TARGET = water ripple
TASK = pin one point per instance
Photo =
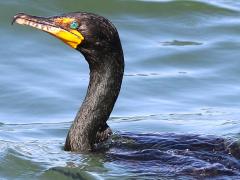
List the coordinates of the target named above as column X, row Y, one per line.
column 180, row 43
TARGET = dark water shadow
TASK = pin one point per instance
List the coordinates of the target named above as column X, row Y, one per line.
column 180, row 43
column 173, row 155
column 163, row 156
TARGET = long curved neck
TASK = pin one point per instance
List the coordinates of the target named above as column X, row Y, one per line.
column 106, row 73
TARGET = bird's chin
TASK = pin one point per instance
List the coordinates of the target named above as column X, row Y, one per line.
column 71, row 37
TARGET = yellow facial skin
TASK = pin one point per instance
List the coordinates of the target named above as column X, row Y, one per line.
column 60, row 28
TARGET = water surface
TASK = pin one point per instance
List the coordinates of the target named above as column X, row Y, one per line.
column 178, row 111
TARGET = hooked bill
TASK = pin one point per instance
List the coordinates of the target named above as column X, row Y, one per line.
column 58, row 29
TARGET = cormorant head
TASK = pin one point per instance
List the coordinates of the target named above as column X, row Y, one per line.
column 91, row 34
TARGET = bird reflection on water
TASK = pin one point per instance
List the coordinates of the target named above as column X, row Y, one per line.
column 168, row 155
column 171, row 154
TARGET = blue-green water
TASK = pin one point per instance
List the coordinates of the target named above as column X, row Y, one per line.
column 181, row 85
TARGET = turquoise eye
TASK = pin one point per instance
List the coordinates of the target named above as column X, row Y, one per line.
column 74, row 25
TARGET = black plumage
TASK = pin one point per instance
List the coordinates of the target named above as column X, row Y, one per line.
column 102, row 50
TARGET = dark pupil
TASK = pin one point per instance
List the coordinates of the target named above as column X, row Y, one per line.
column 74, row 25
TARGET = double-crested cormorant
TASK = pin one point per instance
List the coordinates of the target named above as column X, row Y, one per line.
column 98, row 40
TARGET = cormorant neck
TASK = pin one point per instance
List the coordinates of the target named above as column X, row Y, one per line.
column 106, row 73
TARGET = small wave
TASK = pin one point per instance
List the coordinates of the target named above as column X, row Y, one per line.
column 155, row 74
column 217, row 5
column 144, row 74
column 180, row 43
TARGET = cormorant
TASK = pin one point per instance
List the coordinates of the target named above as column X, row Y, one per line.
column 98, row 40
